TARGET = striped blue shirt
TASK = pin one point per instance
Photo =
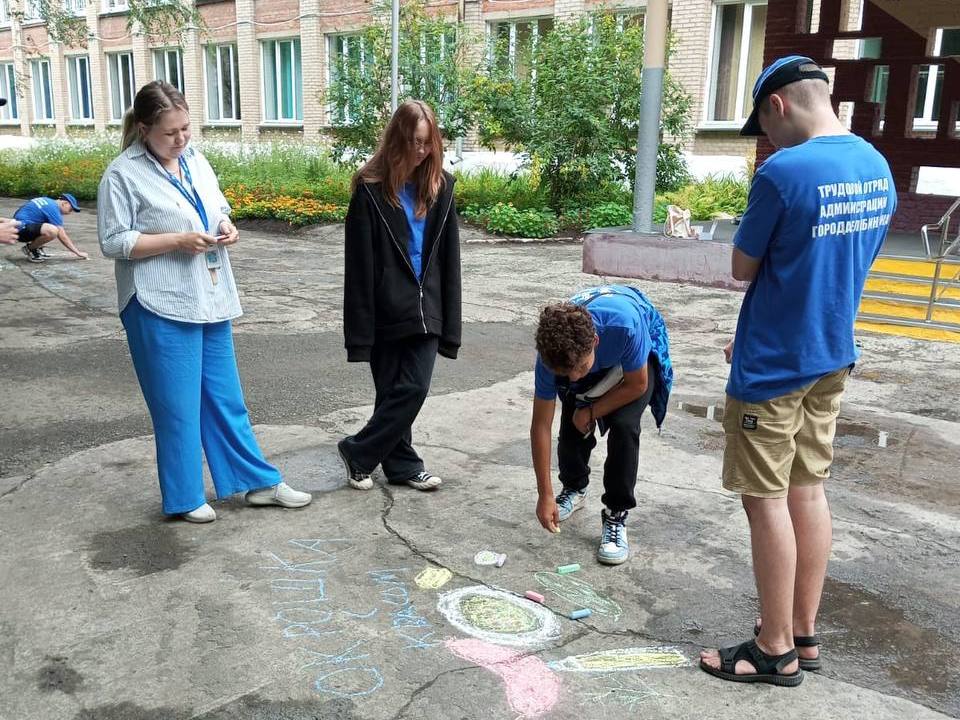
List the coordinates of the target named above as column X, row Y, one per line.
column 136, row 196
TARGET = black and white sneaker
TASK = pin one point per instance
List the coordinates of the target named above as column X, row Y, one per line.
column 356, row 478
column 43, row 252
column 33, row 256
column 424, row 481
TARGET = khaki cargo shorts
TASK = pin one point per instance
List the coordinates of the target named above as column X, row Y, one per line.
column 784, row 441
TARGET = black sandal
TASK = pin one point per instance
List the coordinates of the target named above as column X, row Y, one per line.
column 769, row 668
column 802, row 641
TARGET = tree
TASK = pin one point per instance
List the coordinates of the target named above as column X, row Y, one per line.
column 575, row 111
column 167, row 20
column 431, row 54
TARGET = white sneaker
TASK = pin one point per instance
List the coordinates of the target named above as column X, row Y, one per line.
column 424, row 481
column 202, row 514
column 280, row 494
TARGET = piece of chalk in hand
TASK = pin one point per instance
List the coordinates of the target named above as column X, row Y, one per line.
column 535, row 596
column 564, row 569
column 580, row 614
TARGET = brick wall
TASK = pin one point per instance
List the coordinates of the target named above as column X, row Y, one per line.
column 903, row 48
column 688, row 65
column 247, row 22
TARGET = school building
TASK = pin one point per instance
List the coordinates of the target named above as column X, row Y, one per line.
column 259, row 67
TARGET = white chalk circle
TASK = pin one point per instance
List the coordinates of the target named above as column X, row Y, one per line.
column 499, row 617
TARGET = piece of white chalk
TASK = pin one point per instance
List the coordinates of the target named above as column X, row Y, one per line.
column 679, row 406
column 711, row 409
column 882, row 439
column 501, row 559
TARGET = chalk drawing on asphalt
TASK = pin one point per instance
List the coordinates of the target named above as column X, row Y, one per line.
column 530, row 687
column 624, row 689
column 498, row 617
column 622, row 659
column 578, row 593
column 432, row 578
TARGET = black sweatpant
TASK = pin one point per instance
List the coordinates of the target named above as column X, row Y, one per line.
column 401, row 370
column 623, row 450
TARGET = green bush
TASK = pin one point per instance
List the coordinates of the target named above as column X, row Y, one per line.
column 486, row 187
column 56, row 166
column 505, row 219
column 609, row 215
column 713, row 197
column 282, row 169
column 576, row 117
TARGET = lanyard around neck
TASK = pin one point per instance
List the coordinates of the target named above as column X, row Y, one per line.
column 192, row 197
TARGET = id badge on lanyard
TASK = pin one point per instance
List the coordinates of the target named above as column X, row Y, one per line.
column 213, row 258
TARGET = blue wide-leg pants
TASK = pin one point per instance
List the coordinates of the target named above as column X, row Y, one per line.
column 189, row 378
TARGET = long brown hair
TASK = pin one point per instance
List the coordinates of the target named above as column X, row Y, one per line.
column 392, row 163
column 152, row 101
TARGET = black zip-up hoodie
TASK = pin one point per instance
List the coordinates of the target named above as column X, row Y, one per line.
column 383, row 299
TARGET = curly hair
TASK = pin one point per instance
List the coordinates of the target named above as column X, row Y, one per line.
column 565, row 335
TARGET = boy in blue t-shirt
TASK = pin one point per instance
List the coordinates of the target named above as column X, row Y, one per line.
column 42, row 222
column 605, row 355
column 816, row 218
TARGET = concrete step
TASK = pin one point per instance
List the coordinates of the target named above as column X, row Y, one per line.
column 907, row 286
column 907, row 308
column 888, row 266
column 908, row 328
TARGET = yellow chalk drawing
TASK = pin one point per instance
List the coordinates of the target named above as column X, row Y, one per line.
column 493, row 614
column 433, row 578
column 578, row 593
column 635, row 658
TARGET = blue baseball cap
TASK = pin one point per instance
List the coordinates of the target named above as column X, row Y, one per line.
column 72, row 200
column 783, row 71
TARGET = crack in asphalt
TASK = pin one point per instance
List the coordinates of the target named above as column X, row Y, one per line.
column 19, row 485
column 426, row 686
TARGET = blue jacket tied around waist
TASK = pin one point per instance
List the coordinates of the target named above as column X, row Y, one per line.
column 660, row 341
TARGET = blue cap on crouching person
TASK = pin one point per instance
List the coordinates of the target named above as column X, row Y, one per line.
column 72, row 200
column 780, row 72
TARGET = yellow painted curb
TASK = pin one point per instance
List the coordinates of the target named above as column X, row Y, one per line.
column 891, row 308
column 910, row 332
column 902, row 287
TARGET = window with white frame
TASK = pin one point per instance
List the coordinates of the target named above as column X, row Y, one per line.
column 4, row 12
column 42, row 90
column 168, row 66
column 78, row 80
column 8, row 90
column 115, row 5
column 32, row 11
column 75, row 7
column 122, row 86
column 930, row 78
column 223, row 83
column 926, row 112
column 513, row 43
column 282, row 81
column 346, row 56
column 738, row 32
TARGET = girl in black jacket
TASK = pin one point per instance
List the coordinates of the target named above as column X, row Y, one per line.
column 401, row 295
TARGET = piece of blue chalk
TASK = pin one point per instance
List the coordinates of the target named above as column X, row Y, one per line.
column 580, row 614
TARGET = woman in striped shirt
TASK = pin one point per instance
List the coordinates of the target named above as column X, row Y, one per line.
column 162, row 218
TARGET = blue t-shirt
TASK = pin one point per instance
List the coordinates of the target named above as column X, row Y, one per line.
column 816, row 218
column 40, row 210
column 624, row 339
column 415, row 246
